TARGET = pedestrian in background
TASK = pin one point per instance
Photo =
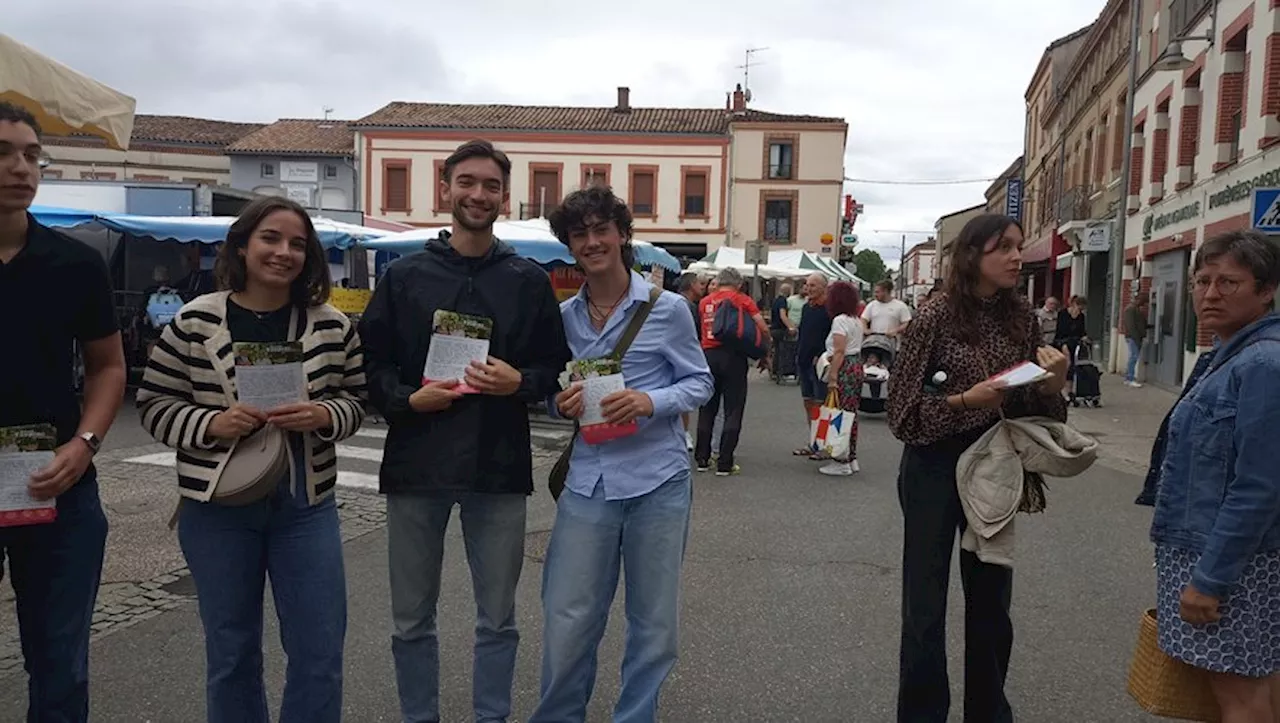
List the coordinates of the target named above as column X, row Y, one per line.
column 1136, row 327
column 844, row 374
column 811, row 341
column 56, row 295
column 692, row 288
column 979, row 326
column 1216, row 525
column 275, row 287
column 729, row 368
column 448, row 449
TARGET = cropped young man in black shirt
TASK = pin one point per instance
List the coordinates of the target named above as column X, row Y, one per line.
column 55, row 292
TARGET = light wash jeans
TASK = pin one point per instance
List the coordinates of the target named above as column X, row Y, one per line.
column 593, row 541
column 716, row 429
column 1135, row 353
column 231, row 551
column 493, row 527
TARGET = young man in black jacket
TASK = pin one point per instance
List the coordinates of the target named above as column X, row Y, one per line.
column 465, row 441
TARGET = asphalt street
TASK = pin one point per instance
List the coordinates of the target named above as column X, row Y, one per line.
column 790, row 611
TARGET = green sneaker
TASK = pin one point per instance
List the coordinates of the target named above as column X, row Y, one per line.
column 726, row 472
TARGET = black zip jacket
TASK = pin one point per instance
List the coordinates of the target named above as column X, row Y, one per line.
column 480, row 443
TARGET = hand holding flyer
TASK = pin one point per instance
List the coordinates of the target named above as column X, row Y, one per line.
column 599, row 378
column 1020, row 376
column 23, row 452
column 456, row 341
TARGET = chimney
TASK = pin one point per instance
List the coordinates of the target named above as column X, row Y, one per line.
column 624, row 100
column 739, row 99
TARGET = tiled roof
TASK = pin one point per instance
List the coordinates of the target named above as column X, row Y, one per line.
column 299, row 136
column 685, row 121
column 182, row 129
column 759, row 116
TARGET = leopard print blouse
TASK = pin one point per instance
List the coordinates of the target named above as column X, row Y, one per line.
column 930, row 344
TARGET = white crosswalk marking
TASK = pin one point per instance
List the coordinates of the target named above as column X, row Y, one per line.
column 358, row 459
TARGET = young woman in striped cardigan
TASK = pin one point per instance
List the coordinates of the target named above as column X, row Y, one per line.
column 275, row 281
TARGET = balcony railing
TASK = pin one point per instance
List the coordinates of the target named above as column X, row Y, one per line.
column 1075, row 205
column 780, row 170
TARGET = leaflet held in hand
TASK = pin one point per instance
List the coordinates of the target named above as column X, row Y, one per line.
column 456, row 341
column 1020, row 375
column 599, row 379
column 269, row 374
column 24, row 451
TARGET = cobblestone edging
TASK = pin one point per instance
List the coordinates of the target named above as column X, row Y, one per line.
column 122, row 605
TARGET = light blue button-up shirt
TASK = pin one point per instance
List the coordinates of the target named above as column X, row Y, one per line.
column 666, row 362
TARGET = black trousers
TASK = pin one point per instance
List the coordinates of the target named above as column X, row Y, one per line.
column 932, row 517
column 729, row 368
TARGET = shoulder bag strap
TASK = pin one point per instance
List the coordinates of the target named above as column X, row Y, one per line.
column 633, row 327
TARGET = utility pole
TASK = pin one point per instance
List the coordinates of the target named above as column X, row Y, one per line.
column 902, row 268
column 1115, row 270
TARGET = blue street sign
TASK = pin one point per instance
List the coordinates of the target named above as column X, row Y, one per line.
column 1265, row 216
column 1013, row 198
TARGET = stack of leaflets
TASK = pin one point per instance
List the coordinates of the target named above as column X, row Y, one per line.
column 599, row 378
column 24, row 451
column 269, row 375
column 456, row 341
column 1020, row 375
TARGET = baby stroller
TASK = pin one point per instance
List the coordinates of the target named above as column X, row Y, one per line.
column 1086, row 378
column 877, row 356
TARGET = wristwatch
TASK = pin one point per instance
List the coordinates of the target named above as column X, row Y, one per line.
column 92, row 440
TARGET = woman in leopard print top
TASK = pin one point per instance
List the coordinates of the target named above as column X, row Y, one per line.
column 979, row 326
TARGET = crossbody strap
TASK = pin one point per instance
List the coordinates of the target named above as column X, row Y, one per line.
column 633, row 327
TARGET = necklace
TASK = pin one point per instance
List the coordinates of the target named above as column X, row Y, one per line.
column 600, row 314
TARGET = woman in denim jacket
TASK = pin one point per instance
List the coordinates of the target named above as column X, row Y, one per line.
column 1217, row 517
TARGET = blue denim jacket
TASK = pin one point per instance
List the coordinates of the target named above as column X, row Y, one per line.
column 1219, row 489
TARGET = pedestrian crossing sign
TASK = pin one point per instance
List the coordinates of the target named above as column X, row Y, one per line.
column 1266, row 210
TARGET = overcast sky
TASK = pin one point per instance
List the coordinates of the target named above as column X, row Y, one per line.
column 931, row 89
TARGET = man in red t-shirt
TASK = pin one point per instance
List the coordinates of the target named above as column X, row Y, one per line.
column 729, row 367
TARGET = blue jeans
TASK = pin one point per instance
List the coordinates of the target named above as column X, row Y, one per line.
column 55, row 569
column 493, row 527
column 1135, row 353
column 231, row 551
column 593, row 540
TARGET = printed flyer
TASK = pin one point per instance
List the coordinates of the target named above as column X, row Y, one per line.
column 456, row 341
column 269, row 375
column 599, row 378
column 23, row 452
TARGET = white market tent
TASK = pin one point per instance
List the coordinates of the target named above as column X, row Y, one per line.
column 63, row 101
column 783, row 264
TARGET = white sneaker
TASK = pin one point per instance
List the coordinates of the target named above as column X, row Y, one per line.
column 837, row 469
column 688, row 441
column 1135, row 385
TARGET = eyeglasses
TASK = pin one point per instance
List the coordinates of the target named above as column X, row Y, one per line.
column 1226, row 286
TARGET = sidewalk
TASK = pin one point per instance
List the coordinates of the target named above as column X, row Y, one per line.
column 1126, row 424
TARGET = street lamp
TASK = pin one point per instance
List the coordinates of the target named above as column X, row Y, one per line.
column 1173, row 58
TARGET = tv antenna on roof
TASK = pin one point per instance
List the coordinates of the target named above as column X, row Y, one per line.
column 327, row 113
column 746, row 71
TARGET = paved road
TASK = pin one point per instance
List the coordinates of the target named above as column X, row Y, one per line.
column 790, row 611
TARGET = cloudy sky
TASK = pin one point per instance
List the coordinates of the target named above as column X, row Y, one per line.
column 931, row 89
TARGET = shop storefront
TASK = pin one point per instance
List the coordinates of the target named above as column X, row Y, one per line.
column 1161, row 243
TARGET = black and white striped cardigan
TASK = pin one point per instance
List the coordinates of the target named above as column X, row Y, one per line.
column 190, row 377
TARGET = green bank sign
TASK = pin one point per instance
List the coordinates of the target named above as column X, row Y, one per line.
column 1243, row 190
column 1156, row 222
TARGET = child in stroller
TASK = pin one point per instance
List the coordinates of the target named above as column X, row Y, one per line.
column 877, row 356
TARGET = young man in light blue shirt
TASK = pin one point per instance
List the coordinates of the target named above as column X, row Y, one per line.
column 626, row 501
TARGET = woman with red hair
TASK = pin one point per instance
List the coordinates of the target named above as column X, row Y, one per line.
column 844, row 374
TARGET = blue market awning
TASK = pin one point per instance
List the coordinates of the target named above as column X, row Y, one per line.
column 528, row 240
column 58, row 217
column 191, row 229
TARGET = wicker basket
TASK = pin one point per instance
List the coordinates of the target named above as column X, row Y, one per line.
column 1165, row 686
